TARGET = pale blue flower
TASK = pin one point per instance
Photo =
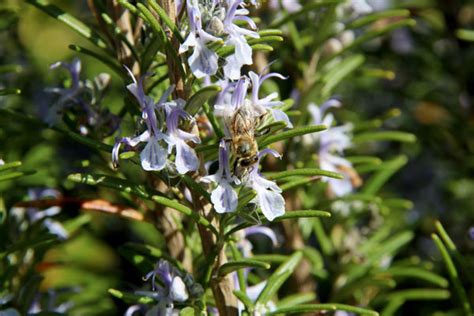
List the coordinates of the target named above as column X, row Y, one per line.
column 186, row 158
column 331, row 145
column 236, row 37
column 268, row 194
column 67, row 96
column 203, row 61
column 47, row 303
column 268, row 103
column 172, row 288
column 245, row 245
column 154, row 155
column 215, row 21
column 159, row 144
column 86, row 95
column 223, row 197
column 360, row 7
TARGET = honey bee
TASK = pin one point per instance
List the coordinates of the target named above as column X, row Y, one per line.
column 242, row 126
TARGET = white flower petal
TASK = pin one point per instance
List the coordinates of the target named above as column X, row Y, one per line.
column 224, row 198
column 178, row 292
column 186, row 159
column 340, row 187
column 203, row 61
column 272, row 203
column 189, row 42
column 279, row 115
column 153, row 156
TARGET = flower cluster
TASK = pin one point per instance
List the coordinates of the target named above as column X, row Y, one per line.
column 215, row 21
column 168, row 286
column 85, row 97
column 331, row 145
column 159, row 143
column 268, row 194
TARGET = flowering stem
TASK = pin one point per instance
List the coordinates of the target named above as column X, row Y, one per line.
column 212, row 245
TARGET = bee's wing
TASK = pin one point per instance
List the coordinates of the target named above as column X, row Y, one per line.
column 243, row 122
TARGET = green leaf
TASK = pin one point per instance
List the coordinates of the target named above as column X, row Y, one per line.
column 333, row 77
column 196, row 102
column 348, row 291
column 309, row 308
column 92, row 143
column 276, row 280
column 10, row 165
column 4, row 69
column 364, row 160
column 389, row 247
column 323, row 238
column 302, row 214
column 384, row 136
column 272, row 258
column 105, row 60
column 296, row 299
column 453, row 251
column 196, row 187
column 453, row 275
column 304, row 10
column 15, row 174
column 265, row 39
column 464, row 34
column 303, row 172
column 232, row 266
column 166, row 19
column 36, row 243
column 392, row 307
column 208, row 147
column 298, row 182
column 70, row 21
column 133, row 9
column 237, row 255
column 290, row 134
column 419, row 294
column 244, row 299
column 369, row 18
column 226, row 51
column 152, row 21
column 315, row 257
column 415, row 273
column 117, row 31
column 269, row 32
column 378, row 32
column 188, row 311
column 376, row 182
column 261, row 48
column 145, row 249
column 9, row 91
column 130, row 298
column 271, row 128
